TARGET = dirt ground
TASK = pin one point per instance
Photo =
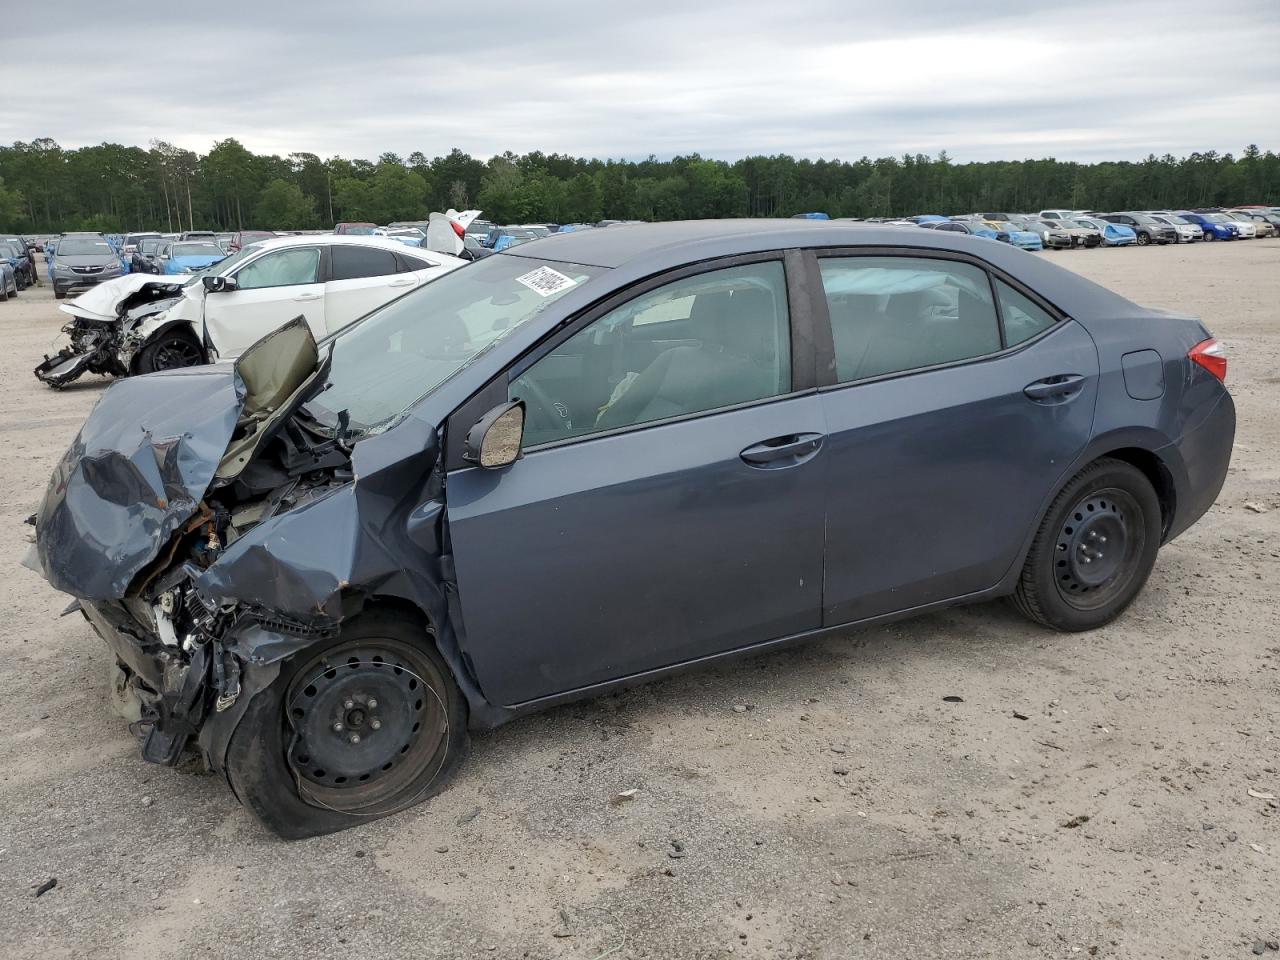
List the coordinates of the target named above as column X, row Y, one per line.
column 1088, row 797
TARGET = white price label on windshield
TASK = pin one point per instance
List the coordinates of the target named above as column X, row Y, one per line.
column 544, row 281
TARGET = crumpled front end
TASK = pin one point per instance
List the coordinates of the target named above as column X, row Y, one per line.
column 211, row 526
column 108, row 328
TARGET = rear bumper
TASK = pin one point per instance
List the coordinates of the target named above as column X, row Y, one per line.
column 1199, row 460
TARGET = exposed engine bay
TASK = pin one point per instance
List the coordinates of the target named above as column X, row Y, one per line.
column 110, row 326
column 255, row 452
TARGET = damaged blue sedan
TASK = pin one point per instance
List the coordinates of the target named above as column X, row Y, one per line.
column 603, row 457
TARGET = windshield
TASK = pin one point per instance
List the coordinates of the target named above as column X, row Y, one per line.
column 82, row 247
column 1005, row 225
column 12, row 249
column 1214, row 217
column 358, row 231
column 149, row 246
column 1170, row 218
column 1088, row 224
column 384, row 364
column 197, row 250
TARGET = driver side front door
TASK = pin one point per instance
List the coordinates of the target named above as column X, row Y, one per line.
column 270, row 291
column 669, row 505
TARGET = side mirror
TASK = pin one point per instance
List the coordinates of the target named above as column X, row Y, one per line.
column 219, row 284
column 495, row 441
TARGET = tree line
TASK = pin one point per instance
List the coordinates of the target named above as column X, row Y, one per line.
column 115, row 188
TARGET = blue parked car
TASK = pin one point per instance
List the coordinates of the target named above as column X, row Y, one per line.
column 503, row 238
column 1113, row 234
column 13, row 251
column 188, row 256
column 1215, row 226
column 1012, row 234
column 605, row 457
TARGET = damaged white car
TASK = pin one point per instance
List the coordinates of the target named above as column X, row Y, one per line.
column 141, row 323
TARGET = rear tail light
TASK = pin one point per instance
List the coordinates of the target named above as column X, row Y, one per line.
column 458, row 228
column 1211, row 355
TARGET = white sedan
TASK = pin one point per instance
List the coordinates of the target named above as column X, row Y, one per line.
column 141, row 323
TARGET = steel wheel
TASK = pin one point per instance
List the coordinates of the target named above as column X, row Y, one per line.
column 369, row 725
column 1096, row 548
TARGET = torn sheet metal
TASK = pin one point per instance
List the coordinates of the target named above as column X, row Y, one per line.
column 134, row 474
column 109, row 325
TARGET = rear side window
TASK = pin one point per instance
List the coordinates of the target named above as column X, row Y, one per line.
column 1021, row 317
column 352, row 262
column 891, row 314
column 413, row 263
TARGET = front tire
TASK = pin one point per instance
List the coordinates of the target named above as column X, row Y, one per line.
column 1094, row 549
column 362, row 729
column 1143, row 239
column 169, row 351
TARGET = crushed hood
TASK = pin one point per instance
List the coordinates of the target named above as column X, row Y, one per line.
column 104, row 301
column 144, row 459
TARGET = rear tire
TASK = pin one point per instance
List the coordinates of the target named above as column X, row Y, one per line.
column 1094, row 549
column 302, row 777
column 169, row 351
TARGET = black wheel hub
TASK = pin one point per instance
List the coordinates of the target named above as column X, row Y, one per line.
column 358, row 717
column 1096, row 547
column 177, row 352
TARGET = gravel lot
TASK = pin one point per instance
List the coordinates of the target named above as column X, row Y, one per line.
column 1089, row 796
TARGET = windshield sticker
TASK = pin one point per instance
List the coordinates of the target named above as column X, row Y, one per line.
column 545, row 282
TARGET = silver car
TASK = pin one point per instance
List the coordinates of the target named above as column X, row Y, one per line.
column 82, row 261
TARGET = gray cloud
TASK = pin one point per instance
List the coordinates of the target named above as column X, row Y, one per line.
column 983, row 79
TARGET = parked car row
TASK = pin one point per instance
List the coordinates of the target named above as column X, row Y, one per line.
column 1058, row 229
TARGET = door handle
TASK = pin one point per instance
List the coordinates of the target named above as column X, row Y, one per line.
column 305, row 297
column 1055, row 389
column 782, row 451
column 407, row 282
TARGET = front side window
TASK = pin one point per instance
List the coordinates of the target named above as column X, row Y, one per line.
column 352, row 262
column 281, row 268
column 891, row 314
column 700, row 343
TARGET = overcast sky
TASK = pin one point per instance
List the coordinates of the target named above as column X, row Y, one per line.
column 983, row 79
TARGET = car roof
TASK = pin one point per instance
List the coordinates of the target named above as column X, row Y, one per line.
column 641, row 250
column 328, row 239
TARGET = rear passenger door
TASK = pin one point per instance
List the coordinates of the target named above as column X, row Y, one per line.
column 957, row 401
column 361, row 279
